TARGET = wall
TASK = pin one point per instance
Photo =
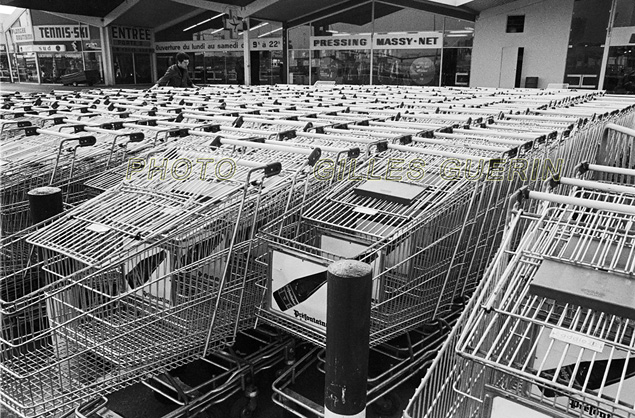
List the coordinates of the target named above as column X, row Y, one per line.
column 545, row 39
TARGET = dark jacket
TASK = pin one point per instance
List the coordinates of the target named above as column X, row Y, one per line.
column 175, row 76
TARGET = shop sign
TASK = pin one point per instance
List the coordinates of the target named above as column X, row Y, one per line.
column 270, row 44
column 130, row 36
column 419, row 40
column 22, row 34
column 61, row 32
column 321, row 43
column 42, row 48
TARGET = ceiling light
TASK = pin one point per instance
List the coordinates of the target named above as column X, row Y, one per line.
column 204, row 21
column 259, row 26
column 270, row 32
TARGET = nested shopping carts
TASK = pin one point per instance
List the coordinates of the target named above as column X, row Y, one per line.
column 550, row 331
column 63, row 154
column 148, row 276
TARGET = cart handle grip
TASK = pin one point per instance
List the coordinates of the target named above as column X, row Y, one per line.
column 87, row 141
column 314, row 156
column 137, row 137
column 273, row 169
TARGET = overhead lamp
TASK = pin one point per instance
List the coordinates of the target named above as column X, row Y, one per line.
column 204, row 21
column 216, row 31
column 270, row 32
column 259, row 26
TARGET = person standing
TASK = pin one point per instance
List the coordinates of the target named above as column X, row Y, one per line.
column 177, row 75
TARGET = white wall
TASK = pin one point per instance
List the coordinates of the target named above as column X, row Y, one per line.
column 545, row 39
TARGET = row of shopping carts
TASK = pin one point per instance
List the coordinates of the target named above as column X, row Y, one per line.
column 549, row 331
column 161, row 268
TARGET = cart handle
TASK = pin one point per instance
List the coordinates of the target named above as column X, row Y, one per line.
column 95, row 404
column 586, row 166
column 526, row 193
column 589, row 184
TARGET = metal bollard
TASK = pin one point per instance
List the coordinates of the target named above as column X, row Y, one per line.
column 349, row 285
column 45, row 202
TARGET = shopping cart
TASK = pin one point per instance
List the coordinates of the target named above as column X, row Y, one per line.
column 157, row 288
column 538, row 346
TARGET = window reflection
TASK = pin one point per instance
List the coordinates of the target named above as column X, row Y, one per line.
column 586, row 43
column 620, row 70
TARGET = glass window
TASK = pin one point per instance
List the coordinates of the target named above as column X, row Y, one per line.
column 343, row 67
column 142, row 68
column 456, row 66
column 620, row 70
column 27, row 68
column 270, row 67
column 624, row 13
column 458, row 33
column 586, row 43
column 299, row 40
column 5, row 75
column 391, row 18
column 92, row 61
column 515, row 24
column 407, row 67
column 124, row 68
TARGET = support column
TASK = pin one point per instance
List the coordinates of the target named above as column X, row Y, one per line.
column 45, row 202
column 246, row 52
column 284, row 71
column 349, row 288
column 106, row 56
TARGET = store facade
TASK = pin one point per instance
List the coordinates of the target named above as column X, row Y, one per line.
column 42, row 48
column 217, row 54
column 381, row 42
column 585, row 44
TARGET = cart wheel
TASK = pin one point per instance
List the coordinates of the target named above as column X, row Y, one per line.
column 242, row 409
column 387, row 406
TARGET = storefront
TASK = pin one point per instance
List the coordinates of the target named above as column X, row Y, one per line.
column 43, row 48
column 131, row 54
column 221, row 61
column 382, row 43
column 5, row 70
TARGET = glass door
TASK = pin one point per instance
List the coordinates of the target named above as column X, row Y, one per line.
column 142, row 66
column 124, row 68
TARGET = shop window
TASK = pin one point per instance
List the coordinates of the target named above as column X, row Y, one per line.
column 624, row 14
column 299, row 54
column 515, row 24
column 407, row 67
column 620, row 70
column 586, row 43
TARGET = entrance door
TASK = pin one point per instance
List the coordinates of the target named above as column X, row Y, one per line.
column 142, row 69
column 507, row 75
column 124, row 68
